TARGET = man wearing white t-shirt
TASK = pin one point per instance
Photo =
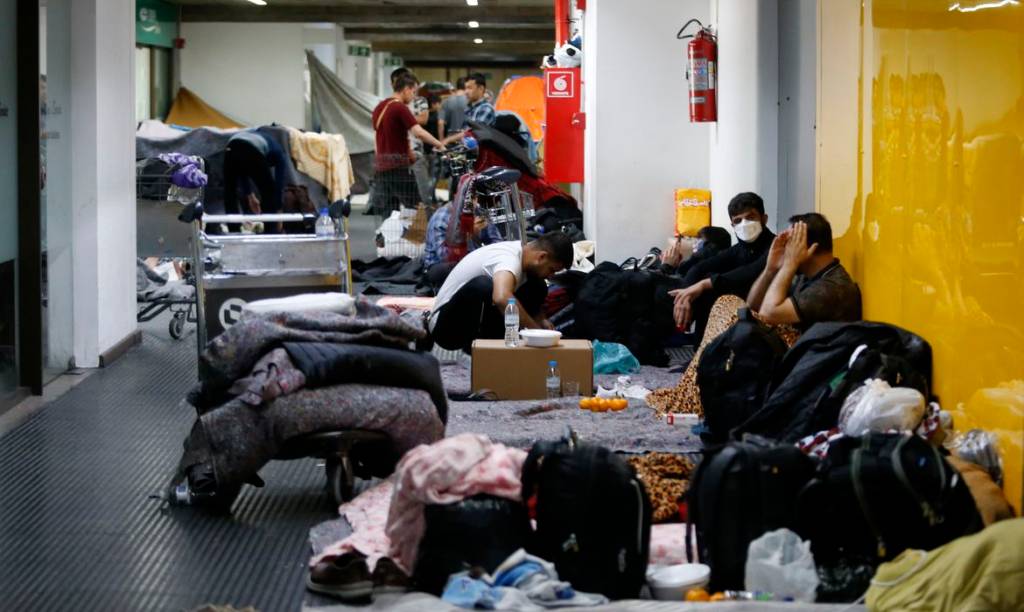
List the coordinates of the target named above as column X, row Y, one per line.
column 471, row 302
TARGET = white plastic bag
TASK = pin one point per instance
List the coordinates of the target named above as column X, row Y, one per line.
column 875, row 406
column 780, row 563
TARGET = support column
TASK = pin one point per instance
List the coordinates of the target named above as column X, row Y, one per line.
column 744, row 141
column 103, row 175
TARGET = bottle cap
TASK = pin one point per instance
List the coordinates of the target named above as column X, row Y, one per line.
column 552, row 363
column 511, row 300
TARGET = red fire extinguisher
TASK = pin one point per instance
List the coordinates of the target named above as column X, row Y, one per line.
column 701, row 67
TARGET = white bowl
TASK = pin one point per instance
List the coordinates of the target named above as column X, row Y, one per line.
column 671, row 582
column 540, row 338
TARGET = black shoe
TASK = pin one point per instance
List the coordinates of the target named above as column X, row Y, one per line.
column 346, row 577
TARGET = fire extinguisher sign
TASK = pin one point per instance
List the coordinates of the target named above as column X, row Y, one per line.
column 561, row 83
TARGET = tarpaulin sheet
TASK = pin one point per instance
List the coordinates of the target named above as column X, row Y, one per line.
column 190, row 110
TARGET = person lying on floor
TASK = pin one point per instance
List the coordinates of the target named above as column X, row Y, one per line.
column 731, row 272
column 710, row 241
column 437, row 264
column 471, row 303
column 803, row 282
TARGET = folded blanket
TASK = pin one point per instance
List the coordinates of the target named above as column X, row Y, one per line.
column 238, row 439
column 232, row 354
column 332, row 364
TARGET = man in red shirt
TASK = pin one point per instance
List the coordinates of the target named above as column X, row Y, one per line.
column 393, row 181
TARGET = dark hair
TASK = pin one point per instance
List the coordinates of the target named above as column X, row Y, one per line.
column 744, row 201
column 433, row 99
column 819, row 230
column 397, row 72
column 558, row 245
column 717, row 237
column 478, row 78
column 403, row 81
column 460, row 83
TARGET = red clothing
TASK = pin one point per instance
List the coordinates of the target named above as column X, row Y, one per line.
column 392, row 121
column 543, row 192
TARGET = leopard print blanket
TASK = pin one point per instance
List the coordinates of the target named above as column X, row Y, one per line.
column 685, row 397
column 666, row 478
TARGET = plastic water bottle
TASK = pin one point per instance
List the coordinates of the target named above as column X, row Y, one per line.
column 553, row 382
column 324, row 225
column 512, row 323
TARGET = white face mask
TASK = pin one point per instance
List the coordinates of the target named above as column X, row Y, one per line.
column 748, row 230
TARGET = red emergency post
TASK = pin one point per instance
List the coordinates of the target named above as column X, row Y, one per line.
column 565, row 122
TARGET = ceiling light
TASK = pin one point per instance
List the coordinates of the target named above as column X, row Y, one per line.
column 472, row 2
column 474, row 24
column 259, row 2
column 478, row 41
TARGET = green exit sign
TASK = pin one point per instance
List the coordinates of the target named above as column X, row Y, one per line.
column 358, row 51
column 393, row 61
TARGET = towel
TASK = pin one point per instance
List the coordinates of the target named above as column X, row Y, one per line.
column 325, row 158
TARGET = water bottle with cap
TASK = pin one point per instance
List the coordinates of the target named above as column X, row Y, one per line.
column 512, row 323
column 553, row 382
column 324, row 225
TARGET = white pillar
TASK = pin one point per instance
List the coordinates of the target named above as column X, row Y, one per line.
column 639, row 144
column 744, row 141
column 103, row 174
column 363, row 69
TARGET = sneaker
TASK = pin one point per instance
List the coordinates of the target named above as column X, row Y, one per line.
column 388, row 578
column 346, row 577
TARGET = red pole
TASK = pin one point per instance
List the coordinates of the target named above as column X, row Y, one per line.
column 561, row 21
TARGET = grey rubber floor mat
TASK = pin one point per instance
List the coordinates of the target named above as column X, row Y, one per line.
column 79, row 532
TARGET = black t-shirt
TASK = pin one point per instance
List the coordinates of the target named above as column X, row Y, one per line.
column 829, row 295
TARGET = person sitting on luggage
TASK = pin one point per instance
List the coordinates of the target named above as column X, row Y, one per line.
column 803, row 282
column 710, row 241
column 731, row 272
column 471, row 303
column 437, row 263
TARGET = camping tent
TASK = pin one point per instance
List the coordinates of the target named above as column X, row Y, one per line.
column 524, row 95
column 190, row 110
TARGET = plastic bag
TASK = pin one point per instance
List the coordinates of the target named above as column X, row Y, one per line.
column 875, row 406
column 624, row 388
column 979, row 447
column 613, row 358
column 779, row 562
column 693, row 211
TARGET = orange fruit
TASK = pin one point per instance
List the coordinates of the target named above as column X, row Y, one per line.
column 697, row 595
column 718, row 597
column 619, row 404
column 587, row 403
column 600, row 404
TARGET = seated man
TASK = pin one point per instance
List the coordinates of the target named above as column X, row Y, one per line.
column 471, row 303
column 436, row 262
column 802, row 282
column 731, row 272
column 710, row 241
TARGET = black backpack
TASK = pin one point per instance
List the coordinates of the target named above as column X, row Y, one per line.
column 734, row 373
column 815, row 376
column 876, row 495
column 480, row 531
column 738, row 492
column 593, row 517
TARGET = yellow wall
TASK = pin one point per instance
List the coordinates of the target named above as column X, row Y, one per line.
column 921, row 170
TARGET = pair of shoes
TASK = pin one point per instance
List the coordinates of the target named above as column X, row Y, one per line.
column 348, row 577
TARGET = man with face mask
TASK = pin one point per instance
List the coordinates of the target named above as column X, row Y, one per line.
column 802, row 282
column 471, row 303
column 731, row 272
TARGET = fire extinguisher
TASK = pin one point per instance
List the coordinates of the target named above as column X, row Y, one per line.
column 701, row 65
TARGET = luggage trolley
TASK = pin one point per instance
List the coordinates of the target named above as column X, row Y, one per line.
column 240, row 268
column 159, row 203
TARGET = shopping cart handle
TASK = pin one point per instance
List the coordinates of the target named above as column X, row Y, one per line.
column 192, row 212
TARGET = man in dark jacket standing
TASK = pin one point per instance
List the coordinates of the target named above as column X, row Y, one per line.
column 731, row 272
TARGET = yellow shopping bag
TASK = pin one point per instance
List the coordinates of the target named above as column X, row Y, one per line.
column 693, row 211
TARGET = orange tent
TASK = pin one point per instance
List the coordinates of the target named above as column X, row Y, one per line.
column 524, row 96
column 190, row 110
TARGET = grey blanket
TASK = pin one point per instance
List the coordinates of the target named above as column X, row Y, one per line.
column 238, row 439
column 210, row 145
column 232, row 354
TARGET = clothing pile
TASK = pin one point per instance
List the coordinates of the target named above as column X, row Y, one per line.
column 150, row 285
column 272, row 378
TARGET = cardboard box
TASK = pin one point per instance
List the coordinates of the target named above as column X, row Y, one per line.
column 519, row 373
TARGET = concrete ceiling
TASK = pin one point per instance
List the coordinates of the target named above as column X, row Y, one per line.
column 435, row 32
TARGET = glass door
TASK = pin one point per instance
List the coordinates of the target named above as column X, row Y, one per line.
column 55, row 148
column 8, row 201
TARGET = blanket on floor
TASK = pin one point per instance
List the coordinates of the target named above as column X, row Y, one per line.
column 238, row 439
column 232, row 354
